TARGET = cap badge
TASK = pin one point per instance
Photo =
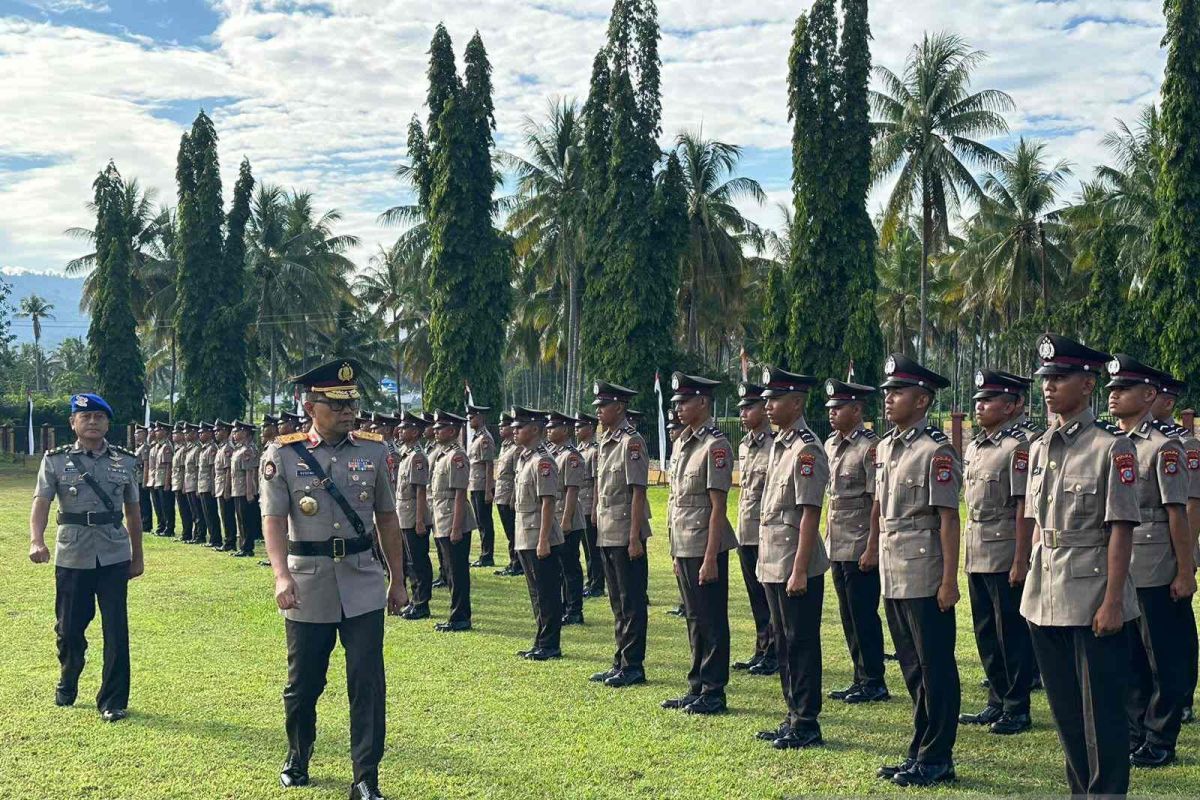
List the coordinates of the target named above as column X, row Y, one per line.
column 675, row 382
column 766, row 376
column 345, row 372
column 979, row 377
column 81, row 400
column 1046, row 349
column 1114, row 366
column 829, row 388
column 889, row 366
column 741, row 390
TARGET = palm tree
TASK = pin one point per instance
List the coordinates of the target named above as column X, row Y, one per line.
column 898, row 302
column 714, row 266
column 36, row 309
column 925, row 121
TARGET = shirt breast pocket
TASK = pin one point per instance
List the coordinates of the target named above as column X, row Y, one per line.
column 1081, row 493
column 912, row 489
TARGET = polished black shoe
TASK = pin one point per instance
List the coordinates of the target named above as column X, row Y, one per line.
column 890, row 657
column 677, row 611
column 680, row 702
column 706, row 704
column 1151, row 757
column 1008, row 724
column 888, row 771
column 365, row 790
column 113, row 714
column 768, row 666
column 747, row 664
column 985, row 683
column 626, row 677
column 415, row 612
column 483, row 562
column 438, row 584
column 842, row 694
column 868, row 693
column 572, row 619
column 543, row 654
column 798, row 740
column 295, row 770
column 925, row 774
column 1188, row 716
column 452, row 627
column 989, row 715
column 593, row 594
column 504, row 572
column 241, row 554
column 601, row 677
column 65, row 695
column 769, row 736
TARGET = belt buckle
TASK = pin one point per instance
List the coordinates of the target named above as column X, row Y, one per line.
column 88, row 519
column 1050, row 537
column 339, row 549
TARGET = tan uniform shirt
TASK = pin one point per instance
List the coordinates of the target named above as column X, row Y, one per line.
column 754, row 452
column 204, row 476
column 179, row 468
column 587, row 491
column 703, row 461
column 797, row 474
column 142, row 452
column 191, row 468
column 621, row 463
column 917, row 474
column 330, row 589
column 995, row 473
column 506, row 473
column 239, row 467
column 150, row 468
column 483, row 453
column 1191, row 446
column 221, row 469
column 412, row 471
column 1162, row 481
column 162, row 464
column 851, row 492
column 448, row 474
column 116, row 472
column 1082, row 478
column 537, row 477
column 572, row 471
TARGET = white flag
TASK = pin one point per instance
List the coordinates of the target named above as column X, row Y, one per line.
column 146, row 400
column 662, row 425
column 29, row 396
column 470, row 402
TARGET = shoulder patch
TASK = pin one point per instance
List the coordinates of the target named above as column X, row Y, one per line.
column 937, row 436
column 720, row 457
column 288, row 438
column 806, row 436
column 1109, row 427
column 942, row 468
column 1170, row 461
column 367, row 436
column 1126, row 466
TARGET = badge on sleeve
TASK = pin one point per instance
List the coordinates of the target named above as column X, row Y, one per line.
column 573, row 461
column 544, row 468
column 720, row 457
column 1021, row 460
column 635, row 451
column 1193, row 459
column 1170, row 462
column 806, row 465
column 943, row 469
column 459, row 462
column 269, row 470
column 871, row 454
column 1126, row 468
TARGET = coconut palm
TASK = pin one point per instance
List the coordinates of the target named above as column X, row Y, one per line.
column 36, row 309
column 926, row 119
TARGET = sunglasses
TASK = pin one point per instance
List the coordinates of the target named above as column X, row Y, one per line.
column 339, row 405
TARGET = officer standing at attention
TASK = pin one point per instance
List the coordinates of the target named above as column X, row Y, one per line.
column 453, row 519
column 204, row 485
column 95, row 557
column 674, row 429
column 325, row 497
column 412, row 482
column 701, row 538
column 141, row 436
column 791, row 555
column 998, row 543
column 914, row 540
column 536, row 495
column 754, row 452
column 179, row 480
column 239, row 469
column 432, row 450
column 506, row 466
column 850, row 449
column 622, row 527
column 572, row 473
column 191, row 478
column 585, row 438
column 288, row 423
column 222, row 490
column 1083, row 498
column 1160, row 565
column 165, row 510
column 483, row 482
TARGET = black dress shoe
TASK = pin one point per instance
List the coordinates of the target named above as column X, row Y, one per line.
column 985, row 683
column 572, row 619
column 1188, row 716
column 1008, row 724
column 706, row 704
column 925, row 774
column 64, row 696
column 241, row 554
column 769, row 736
column 798, row 740
column 887, row 771
column 890, row 657
column 113, row 714
column 503, row 572
column 868, row 693
column 842, row 694
column 365, row 790
column 452, row 627
column 989, row 715
column 295, row 770
column 677, row 611
column 680, row 702
column 767, row 666
column 595, row 593
column 601, row 677
column 416, row 612
column 626, row 677
column 1151, row 756
column 543, row 654
column 483, row 562
column 438, row 584
column 747, row 664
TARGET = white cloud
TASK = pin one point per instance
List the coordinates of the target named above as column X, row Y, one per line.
column 63, row 6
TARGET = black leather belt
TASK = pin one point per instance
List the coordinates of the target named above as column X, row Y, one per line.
column 92, row 518
column 330, row 548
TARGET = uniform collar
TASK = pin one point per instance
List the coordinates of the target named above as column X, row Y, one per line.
column 700, row 432
column 982, row 435
column 909, row 436
column 788, row 436
column 1019, row 421
column 1070, row 429
column 839, row 437
column 315, row 440
column 103, row 449
column 1144, row 428
column 756, row 437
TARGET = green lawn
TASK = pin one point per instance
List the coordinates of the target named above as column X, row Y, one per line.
column 466, row 717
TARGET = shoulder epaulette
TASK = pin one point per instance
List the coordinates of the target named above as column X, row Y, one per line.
column 1015, row 432
column 288, row 438
column 868, row 433
column 123, row 451
column 806, row 436
column 59, row 450
column 936, row 434
column 1166, row 428
column 368, row 436
column 1108, row 426
column 629, row 429
column 715, row 431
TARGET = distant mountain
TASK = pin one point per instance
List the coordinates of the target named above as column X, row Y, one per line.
column 60, row 291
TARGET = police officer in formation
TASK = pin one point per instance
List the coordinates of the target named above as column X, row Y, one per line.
column 585, row 443
column 572, row 474
column 179, row 438
column 243, row 488
column 482, row 485
column 222, row 490
column 141, row 450
column 205, row 488
column 453, row 516
column 98, row 549
column 505, row 481
column 191, row 477
column 412, row 507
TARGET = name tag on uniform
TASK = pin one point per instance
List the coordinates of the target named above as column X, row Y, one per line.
column 69, row 467
column 302, row 471
column 360, row 465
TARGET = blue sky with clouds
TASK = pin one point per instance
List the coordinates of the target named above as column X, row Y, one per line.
column 318, row 94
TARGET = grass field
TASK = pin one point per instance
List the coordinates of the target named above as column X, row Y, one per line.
column 466, row 718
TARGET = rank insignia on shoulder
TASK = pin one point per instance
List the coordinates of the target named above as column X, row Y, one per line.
column 806, row 436
column 936, row 435
column 122, row 450
column 870, row 434
column 1108, row 426
column 289, row 438
column 1165, row 428
column 367, row 436
column 59, row 450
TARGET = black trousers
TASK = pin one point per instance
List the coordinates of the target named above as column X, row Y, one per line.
column 508, row 521
column 441, row 559
column 627, row 580
column 797, row 626
column 1083, row 675
column 145, row 505
column 487, row 531
column 544, row 578
column 185, row 515
column 228, row 521
column 212, row 518
column 309, row 647
column 249, row 523
column 572, row 572
column 164, row 510
column 1002, row 636
column 594, row 581
column 706, row 609
column 420, row 569
column 200, row 522
column 1192, row 656
column 1159, row 675
column 457, row 560
column 764, row 641
column 858, row 605
column 924, row 639
column 77, row 593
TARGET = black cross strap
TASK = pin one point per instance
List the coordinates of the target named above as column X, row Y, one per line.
column 95, row 487
column 325, row 481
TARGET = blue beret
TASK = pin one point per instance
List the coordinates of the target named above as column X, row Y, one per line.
column 90, row 402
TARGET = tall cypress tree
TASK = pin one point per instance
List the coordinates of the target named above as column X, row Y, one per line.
column 1175, row 249
column 772, row 345
column 418, row 158
column 114, row 355
column 227, row 327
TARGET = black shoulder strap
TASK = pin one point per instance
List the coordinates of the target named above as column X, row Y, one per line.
column 91, row 482
column 331, row 487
